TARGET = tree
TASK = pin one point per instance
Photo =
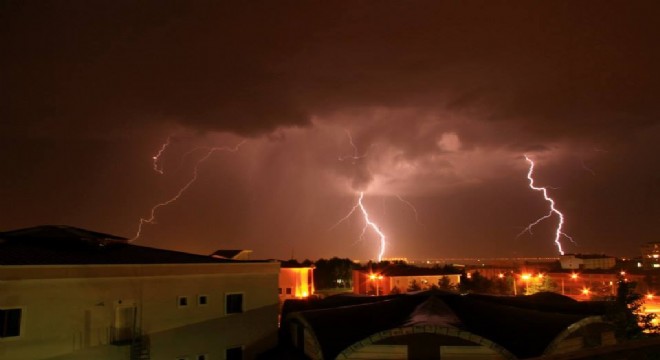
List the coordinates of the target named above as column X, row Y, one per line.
column 541, row 285
column 445, row 284
column 414, row 286
column 333, row 273
column 627, row 313
column 475, row 283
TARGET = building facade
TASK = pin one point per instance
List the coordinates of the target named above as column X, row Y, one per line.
column 296, row 282
column 68, row 293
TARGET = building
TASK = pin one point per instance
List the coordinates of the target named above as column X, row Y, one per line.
column 441, row 325
column 586, row 262
column 295, row 282
column 401, row 279
column 651, row 255
column 70, row 293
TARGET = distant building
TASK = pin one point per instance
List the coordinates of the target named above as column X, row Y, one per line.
column 586, row 262
column 70, row 293
column 651, row 255
column 399, row 279
column 295, row 282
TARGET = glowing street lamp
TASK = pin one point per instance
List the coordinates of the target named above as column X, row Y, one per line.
column 376, row 278
column 585, row 291
column 526, row 277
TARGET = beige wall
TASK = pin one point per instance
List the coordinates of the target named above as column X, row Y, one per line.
column 66, row 315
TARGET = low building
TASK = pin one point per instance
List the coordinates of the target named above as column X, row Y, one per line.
column 295, row 282
column 586, row 262
column 70, row 293
column 651, row 255
column 402, row 279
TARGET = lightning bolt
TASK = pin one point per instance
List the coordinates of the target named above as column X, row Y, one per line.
column 356, row 155
column 368, row 224
column 558, row 232
column 157, row 166
column 152, row 215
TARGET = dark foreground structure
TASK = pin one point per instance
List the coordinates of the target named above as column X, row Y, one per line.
column 444, row 325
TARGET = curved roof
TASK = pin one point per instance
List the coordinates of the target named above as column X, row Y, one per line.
column 525, row 326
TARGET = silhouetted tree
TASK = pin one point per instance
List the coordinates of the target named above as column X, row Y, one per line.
column 328, row 272
column 475, row 284
column 445, row 284
column 627, row 313
column 414, row 286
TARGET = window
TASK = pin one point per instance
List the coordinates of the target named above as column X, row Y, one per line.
column 235, row 353
column 234, row 303
column 202, row 357
column 183, row 301
column 10, row 322
column 279, row 291
column 202, row 300
column 288, row 291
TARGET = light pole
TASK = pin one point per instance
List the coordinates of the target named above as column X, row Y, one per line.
column 376, row 278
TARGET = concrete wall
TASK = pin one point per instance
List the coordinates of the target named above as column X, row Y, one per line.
column 66, row 316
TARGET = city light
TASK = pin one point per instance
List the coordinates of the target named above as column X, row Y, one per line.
column 574, row 276
column 586, row 291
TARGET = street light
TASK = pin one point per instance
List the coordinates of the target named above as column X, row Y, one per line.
column 526, row 277
column 376, row 278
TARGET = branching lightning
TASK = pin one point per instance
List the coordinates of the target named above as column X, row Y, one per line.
column 152, row 215
column 368, row 224
column 558, row 232
column 158, row 167
column 356, row 156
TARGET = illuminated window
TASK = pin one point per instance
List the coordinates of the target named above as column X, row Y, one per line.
column 202, row 300
column 10, row 322
column 656, row 265
column 182, row 301
column 233, row 303
column 234, row 353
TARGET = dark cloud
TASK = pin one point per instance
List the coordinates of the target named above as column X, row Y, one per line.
column 440, row 100
column 557, row 68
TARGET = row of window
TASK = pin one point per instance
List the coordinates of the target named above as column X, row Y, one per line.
column 201, row 300
column 233, row 302
column 288, row 291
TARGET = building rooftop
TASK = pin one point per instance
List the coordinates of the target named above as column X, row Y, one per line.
column 67, row 245
column 525, row 326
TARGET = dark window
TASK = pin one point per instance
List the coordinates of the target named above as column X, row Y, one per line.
column 288, row 291
column 202, row 300
column 201, row 357
column 10, row 322
column 235, row 353
column 183, row 301
column 279, row 291
column 234, row 303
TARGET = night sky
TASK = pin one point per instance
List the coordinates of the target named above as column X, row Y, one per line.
column 441, row 99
